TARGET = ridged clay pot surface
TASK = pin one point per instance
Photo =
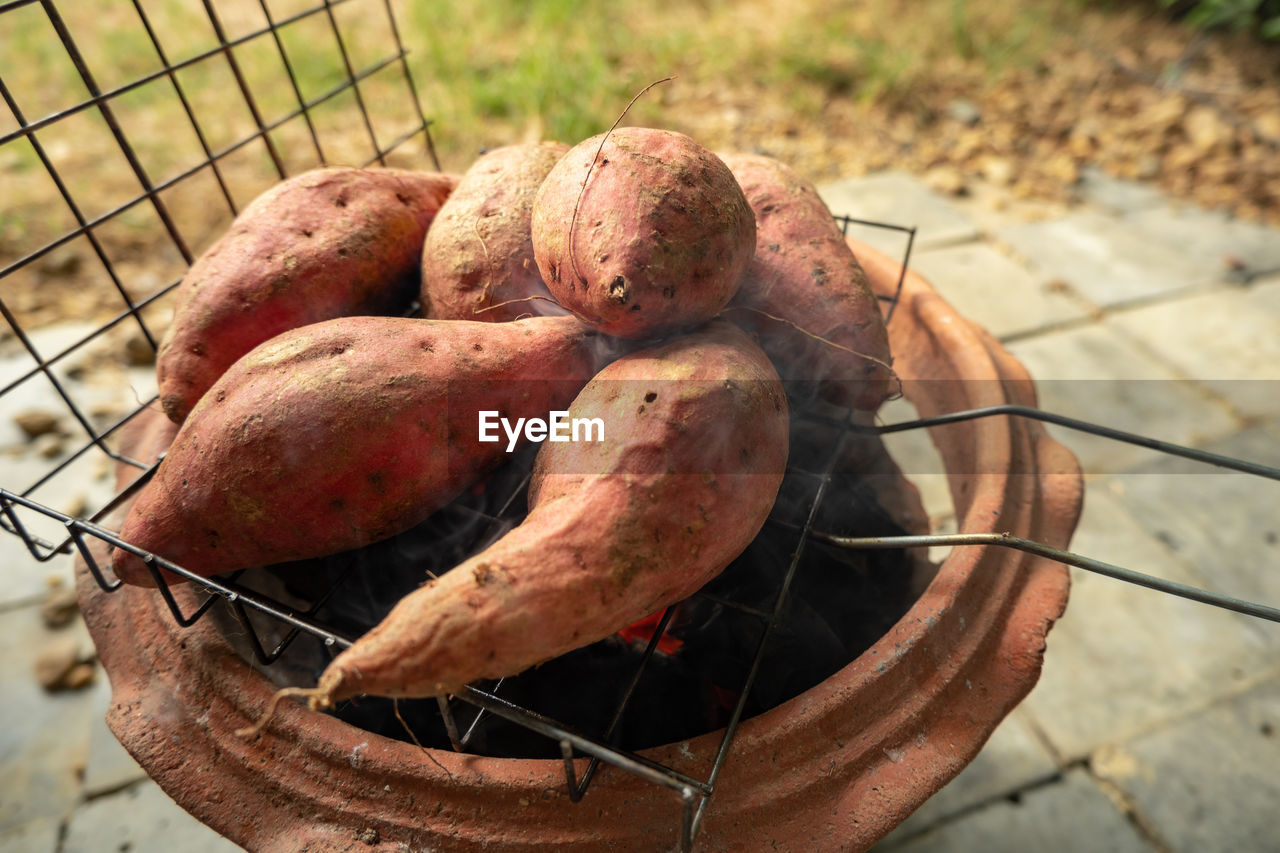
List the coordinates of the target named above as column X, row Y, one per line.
column 835, row 768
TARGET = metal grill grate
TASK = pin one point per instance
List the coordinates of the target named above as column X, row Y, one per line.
column 219, row 165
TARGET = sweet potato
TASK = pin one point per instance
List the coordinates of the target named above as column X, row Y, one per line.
column 804, row 294
column 477, row 261
column 657, row 239
column 327, row 243
column 342, row 433
column 695, row 443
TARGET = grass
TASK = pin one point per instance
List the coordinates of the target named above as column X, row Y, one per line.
column 488, row 74
column 491, row 73
column 495, row 72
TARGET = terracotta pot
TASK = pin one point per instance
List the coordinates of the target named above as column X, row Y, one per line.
column 835, row 768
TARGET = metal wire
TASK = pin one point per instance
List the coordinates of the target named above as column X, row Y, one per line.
column 1006, row 540
column 1219, row 460
column 152, row 192
column 695, row 793
column 102, row 102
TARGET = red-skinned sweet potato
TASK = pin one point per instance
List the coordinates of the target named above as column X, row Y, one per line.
column 657, row 240
column 804, row 294
column 696, row 432
column 477, row 261
column 342, row 433
column 326, row 243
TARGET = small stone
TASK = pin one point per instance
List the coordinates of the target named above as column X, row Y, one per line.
column 1205, row 128
column 56, row 661
column 79, row 676
column 49, row 446
column 1268, row 126
column 1080, row 146
column 138, row 352
column 77, row 506
column 106, row 411
column 998, row 170
column 1116, row 764
column 1169, row 110
column 36, row 422
column 1063, row 168
column 947, row 180
column 1237, row 270
column 61, row 263
column 59, row 607
column 964, row 111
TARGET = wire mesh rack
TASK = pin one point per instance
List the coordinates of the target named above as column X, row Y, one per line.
column 305, row 121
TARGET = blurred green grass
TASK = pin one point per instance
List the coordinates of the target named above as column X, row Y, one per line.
column 565, row 68
column 835, row 88
column 491, row 73
column 485, row 74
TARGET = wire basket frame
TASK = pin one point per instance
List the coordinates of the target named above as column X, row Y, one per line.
column 227, row 171
column 22, row 510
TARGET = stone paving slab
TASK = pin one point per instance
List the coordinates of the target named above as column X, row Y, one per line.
column 81, row 488
column 1227, row 338
column 37, row 836
column 995, row 291
column 26, row 581
column 1212, row 781
column 918, row 458
column 1125, row 659
column 35, row 392
column 1116, row 195
column 1211, row 238
column 1096, row 374
column 140, row 819
column 91, row 380
column 1012, row 759
column 86, row 482
column 108, row 767
column 1107, row 260
column 1069, row 816
column 44, row 738
column 896, row 198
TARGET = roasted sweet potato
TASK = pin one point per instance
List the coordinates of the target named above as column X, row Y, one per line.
column 477, row 261
column 695, row 442
column 804, row 294
column 327, row 243
column 653, row 242
column 342, row 433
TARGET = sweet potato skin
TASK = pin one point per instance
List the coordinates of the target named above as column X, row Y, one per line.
column 477, row 260
column 326, row 243
column 617, row 529
column 660, row 239
column 805, row 284
column 342, row 433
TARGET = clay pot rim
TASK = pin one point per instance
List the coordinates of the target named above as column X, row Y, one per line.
column 986, row 583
